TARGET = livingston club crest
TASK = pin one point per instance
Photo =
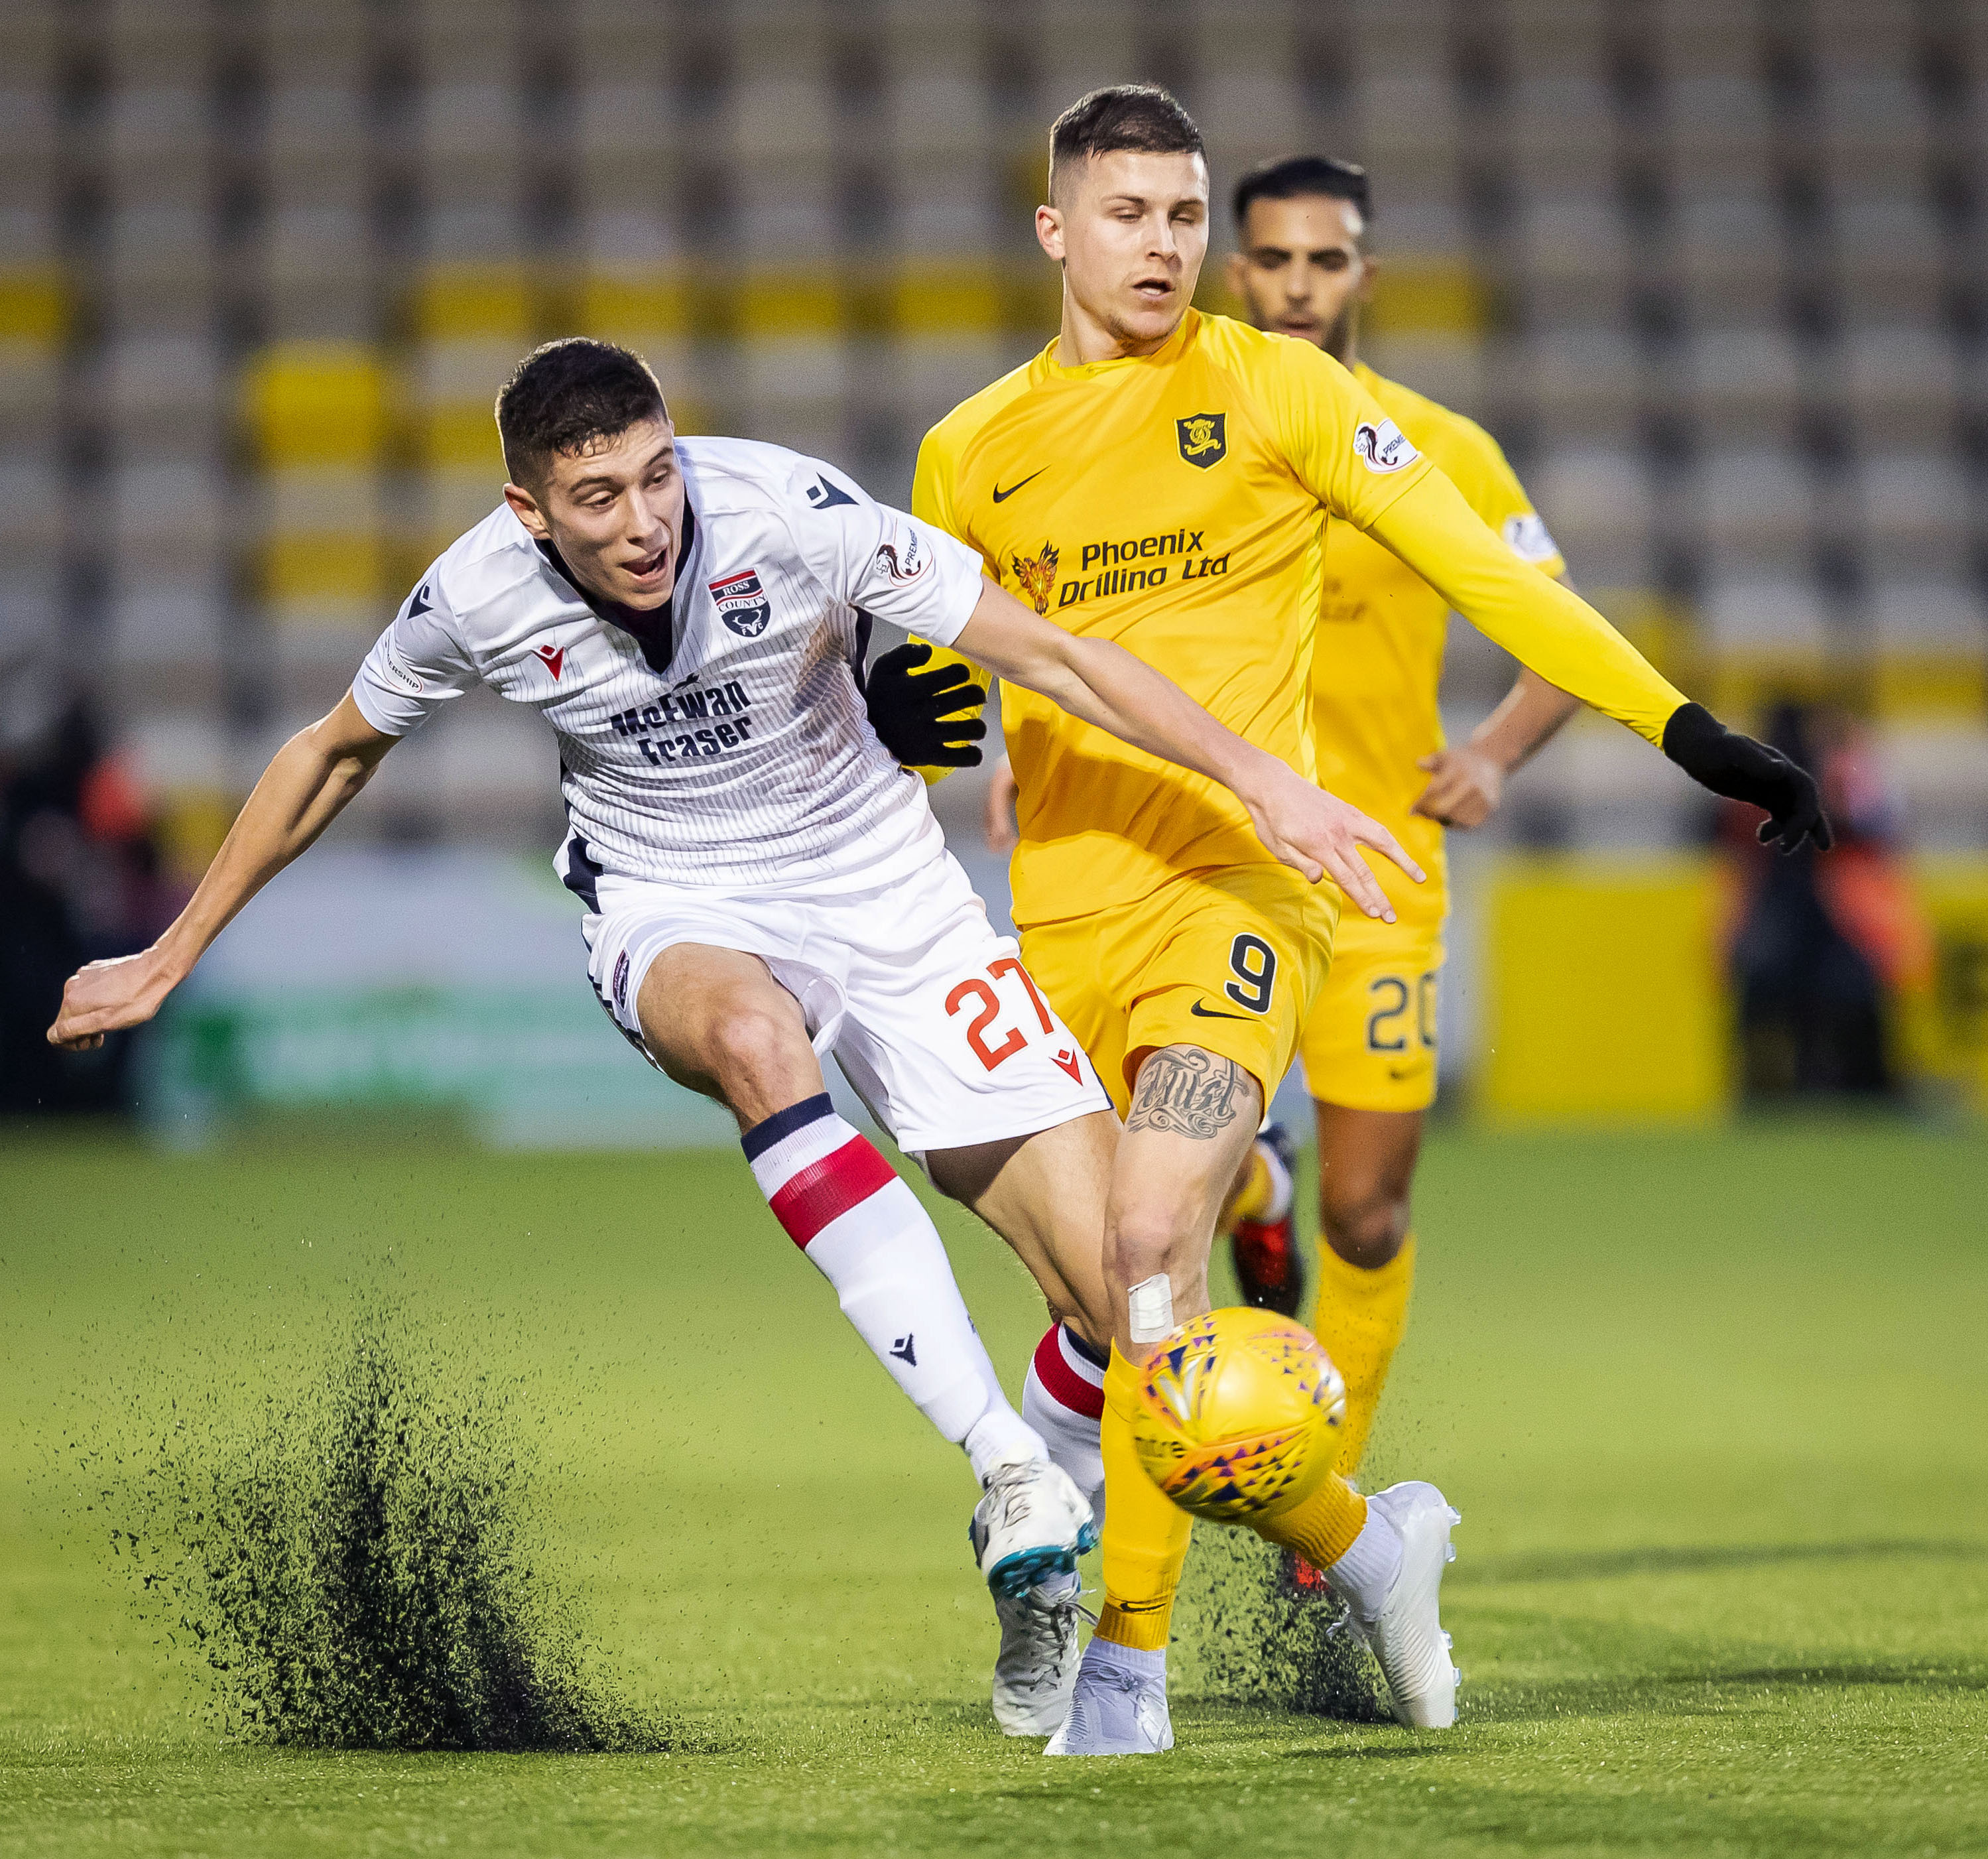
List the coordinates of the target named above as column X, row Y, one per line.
column 1204, row 439
column 1037, row 575
column 742, row 603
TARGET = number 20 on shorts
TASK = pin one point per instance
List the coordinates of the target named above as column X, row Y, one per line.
column 1387, row 1025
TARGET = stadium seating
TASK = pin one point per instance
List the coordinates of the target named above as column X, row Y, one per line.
column 1712, row 270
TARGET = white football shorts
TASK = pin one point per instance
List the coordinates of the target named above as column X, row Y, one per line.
column 935, row 1023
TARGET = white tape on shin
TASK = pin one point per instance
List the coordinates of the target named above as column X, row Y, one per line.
column 1151, row 1306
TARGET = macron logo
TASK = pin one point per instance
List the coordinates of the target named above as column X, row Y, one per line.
column 552, row 657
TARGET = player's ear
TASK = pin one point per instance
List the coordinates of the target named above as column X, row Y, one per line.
column 1368, row 266
column 1235, row 271
column 1048, row 231
column 524, row 506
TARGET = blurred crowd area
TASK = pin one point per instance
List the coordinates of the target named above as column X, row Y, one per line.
column 1714, row 272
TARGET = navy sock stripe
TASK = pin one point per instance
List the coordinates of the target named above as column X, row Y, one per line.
column 782, row 1124
column 1085, row 1349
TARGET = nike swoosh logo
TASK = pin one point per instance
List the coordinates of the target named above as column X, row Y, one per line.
column 1205, row 1012
column 1001, row 497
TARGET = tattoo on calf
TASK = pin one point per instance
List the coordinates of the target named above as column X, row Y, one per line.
column 1185, row 1092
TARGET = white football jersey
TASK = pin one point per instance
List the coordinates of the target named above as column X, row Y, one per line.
column 725, row 746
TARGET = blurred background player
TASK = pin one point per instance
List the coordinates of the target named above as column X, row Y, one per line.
column 1163, row 479
column 1824, row 947
column 1303, row 270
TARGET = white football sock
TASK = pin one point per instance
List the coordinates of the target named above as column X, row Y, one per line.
column 844, row 1205
column 1365, row 1574
column 1062, row 1399
column 1104, row 1656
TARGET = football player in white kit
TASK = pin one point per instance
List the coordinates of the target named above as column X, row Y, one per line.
column 764, row 880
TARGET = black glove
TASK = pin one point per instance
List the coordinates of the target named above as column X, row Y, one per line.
column 1741, row 769
column 908, row 712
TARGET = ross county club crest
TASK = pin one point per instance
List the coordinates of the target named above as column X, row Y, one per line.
column 742, row 603
column 1204, row 439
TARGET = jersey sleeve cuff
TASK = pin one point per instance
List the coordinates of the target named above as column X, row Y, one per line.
column 942, row 628
column 371, row 705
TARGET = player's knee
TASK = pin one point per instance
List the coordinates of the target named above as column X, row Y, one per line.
column 1140, row 1241
column 750, row 1045
column 1365, row 1228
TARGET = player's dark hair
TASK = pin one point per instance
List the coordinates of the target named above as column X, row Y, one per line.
column 1142, row 118
column 1295, row 177
column 565, row 394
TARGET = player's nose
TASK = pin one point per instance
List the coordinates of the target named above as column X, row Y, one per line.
column 644, row 526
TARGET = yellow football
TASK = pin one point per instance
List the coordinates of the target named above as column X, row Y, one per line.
column 1240, row 1412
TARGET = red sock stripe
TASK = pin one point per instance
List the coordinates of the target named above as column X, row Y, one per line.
column 1064, row 1383
column 827, row 1189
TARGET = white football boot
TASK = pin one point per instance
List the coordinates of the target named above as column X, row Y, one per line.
column 1037, row 1670
column 1119, row 1707
column 1406, row 1636
column 1030, row 1528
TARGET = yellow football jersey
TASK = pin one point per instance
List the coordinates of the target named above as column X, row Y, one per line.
column 1172, row 503
column 1378, row 659
column 1176, row 502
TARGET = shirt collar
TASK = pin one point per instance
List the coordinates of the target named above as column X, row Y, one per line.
column 1168, row 350
column 654, row 631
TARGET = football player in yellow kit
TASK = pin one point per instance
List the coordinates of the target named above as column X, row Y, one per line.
column 1164, row 478
column 1369, row 1045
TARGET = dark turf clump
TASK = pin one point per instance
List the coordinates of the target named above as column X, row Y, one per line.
column 1247, row 1635
column 355, row 1570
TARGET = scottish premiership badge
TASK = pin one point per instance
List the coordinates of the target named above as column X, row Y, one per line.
column 742, row 603
column 1204, row 439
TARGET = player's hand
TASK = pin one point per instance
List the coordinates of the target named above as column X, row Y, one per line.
column 1318, row 834
column 1466, row 786
column 1741, row 769
column 1000, row 824
column 107, row 997
column 910, row 710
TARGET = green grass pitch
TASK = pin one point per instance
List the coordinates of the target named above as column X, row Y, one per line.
column 1714, row 1407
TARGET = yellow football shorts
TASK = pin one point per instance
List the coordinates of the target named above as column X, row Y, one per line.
column 1229, row 959
column 1370, row 1040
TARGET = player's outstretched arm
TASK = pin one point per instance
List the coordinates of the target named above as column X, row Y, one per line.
column 1101, row 683
column 302, row 791
column 1551, row 629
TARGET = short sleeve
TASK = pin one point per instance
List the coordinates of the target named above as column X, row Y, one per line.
column 932, row 493
column 1491, row 487
column 1344, row 449
column 884, row 562
column 415, row 666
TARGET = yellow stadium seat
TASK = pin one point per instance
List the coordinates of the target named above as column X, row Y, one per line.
column 316, row 403
column 34, row 307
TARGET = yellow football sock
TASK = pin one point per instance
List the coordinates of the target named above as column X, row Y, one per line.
column 1360, row 1318
column 1254, row 1201
column 1145, row 1532
column 1321, row 1528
